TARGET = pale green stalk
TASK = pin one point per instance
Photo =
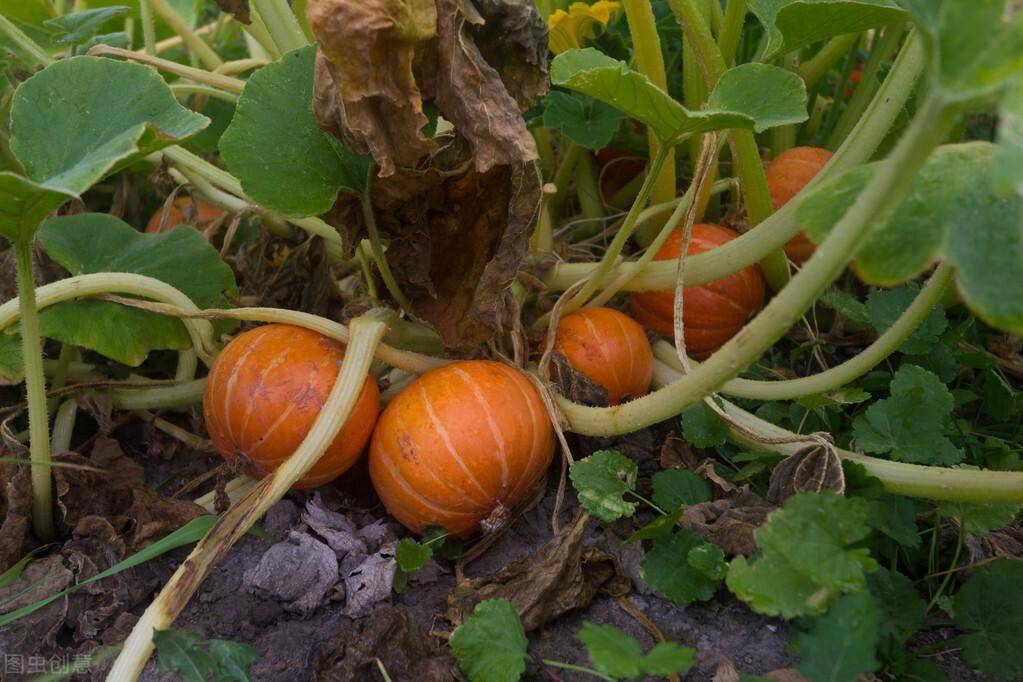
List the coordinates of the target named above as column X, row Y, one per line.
column 282, row 25
column 148, row 29
column 30, row 46
column 195, row 44
column 819, row 65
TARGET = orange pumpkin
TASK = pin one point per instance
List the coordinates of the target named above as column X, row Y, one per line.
column 712, row 313
column 201, row 213
column 264, row 391
column 458, row 443
column 787, row 174
column 610, row 348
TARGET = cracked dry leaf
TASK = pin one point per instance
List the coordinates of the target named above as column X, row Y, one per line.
column 560, row 577
column 379, row 60
column 15, row 511
column 299, row 572
column 41, row 578
column 729, row 522
column 811, row 469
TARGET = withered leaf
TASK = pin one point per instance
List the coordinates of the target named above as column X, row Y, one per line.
column 379, row 60
column 405, row 648
column 457, row 239
column 238, row 8
column 575, row 385
column 812, row 469
column 561, row 576
column 300, row 572
column 15, row 511
column 41, row 579
column 370, row 582
column 154, row 516
column 108, row 493
column 729, row 522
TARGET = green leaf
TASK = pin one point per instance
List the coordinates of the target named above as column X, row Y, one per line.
column 283, row 159
column 702, row 427
column 980, row 518
column 29, row 16
column 708, row 559
column 659, row 528
column 976, row 46
column 588, row 122
column 675, row 487
column 955, row 188
column 902, row 609
column 990, row 608
column 893, row 515
column 807, row 556
column 196, row 659
column 1009, row 175
column 792, row 24
column 839, row 646
column 601, row 480
column 593, row 73
column 846, row 306
column 771, row 96
column 842, row 396
column 71, row 29
column 491, row 645
column 105, row 113
column 11, row 369
column 884, row 307
column 617, row 655
column 411, row 555
column 8, row 577
column 98, row 242
column 667, row 569
column 910, row 425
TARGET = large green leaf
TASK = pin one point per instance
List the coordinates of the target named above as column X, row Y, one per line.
column 97, row 242
column 586, row 121
column 277, row 150
column 77, row 121
column 791, row 24
column 976, row 46
column 749, row 97
column 952, row 210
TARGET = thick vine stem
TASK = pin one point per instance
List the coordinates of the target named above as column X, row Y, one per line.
column 728, row 39
column 858, row 148
column 27, row 306
column 977, row 486
column 157, row 397
column 880, row 196
column 650, row 62
column 839, row 375
column 235, row 522
column 196, row 44
column 282, row 24
column 201, row 331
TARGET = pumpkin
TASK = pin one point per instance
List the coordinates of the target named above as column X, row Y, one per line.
column 787, row 174
column 264, row 391
column 459, row 443
column 199, row 214
column 610, row 348
column 713, row 312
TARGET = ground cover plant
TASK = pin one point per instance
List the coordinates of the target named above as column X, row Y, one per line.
column 519, row 339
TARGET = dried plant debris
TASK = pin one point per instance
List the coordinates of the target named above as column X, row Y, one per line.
column 729, row 522
column 15, row 511
column 327, row 556
column 237, row 8
column 812, row 469
column 40, row 579
column 386, row 638
column 560, row 577
column 575, row 385
column 378, row 62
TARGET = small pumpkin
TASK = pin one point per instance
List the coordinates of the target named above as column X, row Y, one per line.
column 786, row 175
column 610, row 348
column 458, row 443
column 713, row 312
column 184, row 210
column 264, row 391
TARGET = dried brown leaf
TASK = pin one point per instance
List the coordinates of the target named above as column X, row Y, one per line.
column 238, row 8
column 107, row 493
column 729, row 522
column 300, row 572
column 154, row 516
column 575, row 385
column 560, row 577
column 812, row 469
column 15, row 511
column 405, row 649
column 41, row 579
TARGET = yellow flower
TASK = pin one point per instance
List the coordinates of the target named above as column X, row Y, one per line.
column 569, row 29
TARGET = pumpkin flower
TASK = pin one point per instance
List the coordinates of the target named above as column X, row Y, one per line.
column 569, row 29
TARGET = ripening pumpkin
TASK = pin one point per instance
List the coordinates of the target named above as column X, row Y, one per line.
column 786, row 175
column 610, row 348
column 264, row 391
column 458, row 443
column 204, row 214
column 712, row 313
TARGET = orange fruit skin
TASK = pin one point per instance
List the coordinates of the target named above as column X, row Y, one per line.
column 204, row 214
column 264, row 391
column 712, row 313
column 610, row 348
column 459, row 442
column 786, row 175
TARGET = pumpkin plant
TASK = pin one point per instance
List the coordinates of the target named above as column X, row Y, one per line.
column 457, row 167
